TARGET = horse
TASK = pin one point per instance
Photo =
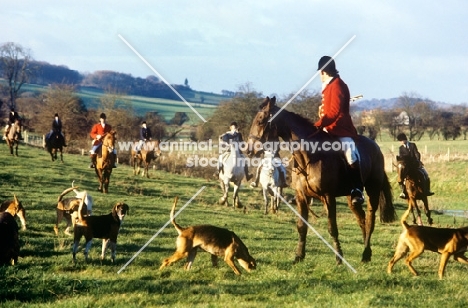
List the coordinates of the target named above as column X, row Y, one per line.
column 415, row 182
column 322, row 174
column 105, row 161
column 269, row 179
column 12, row 137
column 54, row 144
column 150, row 151
column 232, row 172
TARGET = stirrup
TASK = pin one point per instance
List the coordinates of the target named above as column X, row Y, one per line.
column 357, row 197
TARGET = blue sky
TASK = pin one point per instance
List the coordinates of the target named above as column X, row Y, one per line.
column 410, row 47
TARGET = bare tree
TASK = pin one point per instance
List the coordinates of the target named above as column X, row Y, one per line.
column 15, row 67
column 63, row 100
column 242, row 109
column 120, row 114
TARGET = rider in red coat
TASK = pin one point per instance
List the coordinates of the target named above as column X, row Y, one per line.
column 335, row 119
column 97, row 132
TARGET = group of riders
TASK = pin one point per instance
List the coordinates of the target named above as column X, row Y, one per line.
column 335, row 119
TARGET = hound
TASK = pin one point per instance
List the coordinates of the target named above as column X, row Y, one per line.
column 217, row 241
column 15, row 208
column 67, row 208
column 104, row 226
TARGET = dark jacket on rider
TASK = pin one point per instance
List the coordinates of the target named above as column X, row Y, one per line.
column 57, row 126
column 145, row 133
column 409, row 154
column 13, row 116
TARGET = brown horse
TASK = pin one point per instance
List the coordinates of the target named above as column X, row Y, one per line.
column 415, row 182
column 322, row 174
column 12, row 137
column 105, row 161
column 55, row 144
column 150, row 151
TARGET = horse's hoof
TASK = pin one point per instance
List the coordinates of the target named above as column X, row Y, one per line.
column 297, row 260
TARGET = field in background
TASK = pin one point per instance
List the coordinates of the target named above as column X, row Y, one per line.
column 141, row 105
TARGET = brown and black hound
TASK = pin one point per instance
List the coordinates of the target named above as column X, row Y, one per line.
column 105, row 227
column 217, row 241
column 445, row 241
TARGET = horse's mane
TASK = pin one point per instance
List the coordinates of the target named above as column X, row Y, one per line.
column 298, row 124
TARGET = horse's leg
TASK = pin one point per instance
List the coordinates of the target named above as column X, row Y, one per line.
column 301, row 202
column 146, row 169
column 330, row 205
column 360, row 215
column 413, row 203
column 61, row 154
column 224, row 197
column 99, row 175
column 427, row 211
column 235, row 195
column 278, row 198
column 372, row 207
column 106, row 180
column 266, row 198
column 16, row 148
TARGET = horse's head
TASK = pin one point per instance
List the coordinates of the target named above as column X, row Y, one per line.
column 108, row 140
column 156, row 149
column 262, row 128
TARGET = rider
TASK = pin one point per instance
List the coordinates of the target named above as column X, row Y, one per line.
column 145, row 135
column 232, row 136
column 13, row 116
column 335, row 119
column 409, row 154
column 56, row 129
column 97, row 132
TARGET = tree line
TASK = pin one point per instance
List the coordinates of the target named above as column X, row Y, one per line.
column 18, row 67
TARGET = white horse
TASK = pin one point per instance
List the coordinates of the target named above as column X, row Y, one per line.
column 269, row 179
column 232, row 171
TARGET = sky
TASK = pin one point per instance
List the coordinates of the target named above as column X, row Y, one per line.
column 392, row 48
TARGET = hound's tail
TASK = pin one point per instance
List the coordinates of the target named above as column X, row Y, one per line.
column 403, row 218
column 66, row 191
column 80, row 209
column 176, row 226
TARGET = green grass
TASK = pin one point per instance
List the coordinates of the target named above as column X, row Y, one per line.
column 46, row 276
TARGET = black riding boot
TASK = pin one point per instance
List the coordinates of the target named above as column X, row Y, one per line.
column 93, row 160
column 357, row 196
column 115, row 160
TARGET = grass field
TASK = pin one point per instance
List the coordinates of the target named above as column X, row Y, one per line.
column 141, row 105
column 46, row 276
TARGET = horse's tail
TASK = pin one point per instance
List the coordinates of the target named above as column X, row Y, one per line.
column 176, row 226
column 386, row 207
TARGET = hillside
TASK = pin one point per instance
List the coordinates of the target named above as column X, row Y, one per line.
column 142, row 105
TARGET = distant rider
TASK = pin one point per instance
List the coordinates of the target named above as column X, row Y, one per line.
column 411, row 159
column 97, row 132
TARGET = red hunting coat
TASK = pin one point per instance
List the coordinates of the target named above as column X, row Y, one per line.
column 336, row 118
column 99, row 130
